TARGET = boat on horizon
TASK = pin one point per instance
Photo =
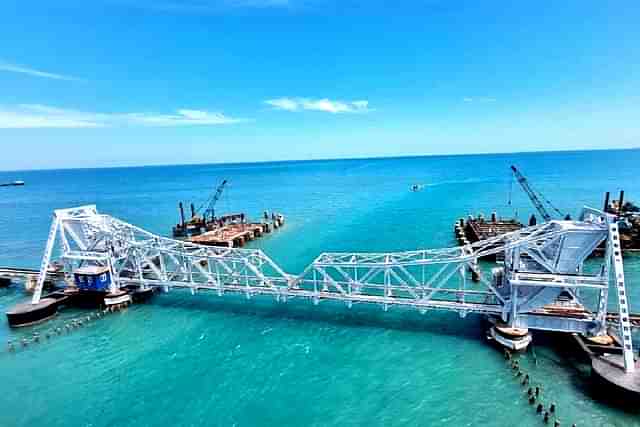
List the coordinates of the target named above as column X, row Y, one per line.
column 13, row 184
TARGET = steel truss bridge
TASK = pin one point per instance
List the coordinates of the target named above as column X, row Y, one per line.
column 543, row 266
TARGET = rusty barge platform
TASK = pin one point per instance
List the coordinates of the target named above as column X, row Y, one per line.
column 237, row 234
column 475, row 229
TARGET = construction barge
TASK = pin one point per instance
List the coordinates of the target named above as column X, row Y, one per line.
column 231, row 230
column 629, row 215
column 475, row 229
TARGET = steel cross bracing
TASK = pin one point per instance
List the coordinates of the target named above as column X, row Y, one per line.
column 541, row 264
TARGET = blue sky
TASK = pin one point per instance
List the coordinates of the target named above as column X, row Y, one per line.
column 128, row 82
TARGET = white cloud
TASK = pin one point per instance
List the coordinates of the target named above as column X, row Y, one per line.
column 181, row 118
column 42, row 116
column 284, row 104
column 324, row 104
column 479, row 99
column 14, row 68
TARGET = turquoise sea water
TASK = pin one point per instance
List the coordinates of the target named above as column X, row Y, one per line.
column 206, row 360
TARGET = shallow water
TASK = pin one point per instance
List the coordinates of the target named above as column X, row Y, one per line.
column 205, row 360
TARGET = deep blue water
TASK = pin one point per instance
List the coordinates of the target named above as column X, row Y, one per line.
column 205, row 360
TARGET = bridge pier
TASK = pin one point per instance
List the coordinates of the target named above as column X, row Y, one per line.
column 508, row 337
column 27, row 314
column 608, row 371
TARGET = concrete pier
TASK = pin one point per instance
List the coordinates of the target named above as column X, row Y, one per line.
column 27, row 314
column 608, row 370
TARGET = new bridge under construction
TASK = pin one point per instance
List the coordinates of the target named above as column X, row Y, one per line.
column 542, row 282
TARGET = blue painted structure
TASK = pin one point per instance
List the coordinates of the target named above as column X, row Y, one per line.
column 92, row 278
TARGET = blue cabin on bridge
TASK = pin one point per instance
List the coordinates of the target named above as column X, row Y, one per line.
column 92, row 278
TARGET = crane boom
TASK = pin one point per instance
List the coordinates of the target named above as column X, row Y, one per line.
column 214, row 199
column 532, row 195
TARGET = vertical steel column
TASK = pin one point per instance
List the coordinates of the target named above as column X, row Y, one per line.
column 623, row 306
column 44, row 266
column 315, row 286
column 387, row 283
column 114, row 285
column 603, row 298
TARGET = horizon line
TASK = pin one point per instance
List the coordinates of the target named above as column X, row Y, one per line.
column 486, row 153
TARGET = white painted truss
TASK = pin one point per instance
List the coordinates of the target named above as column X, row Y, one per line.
column 542, row 264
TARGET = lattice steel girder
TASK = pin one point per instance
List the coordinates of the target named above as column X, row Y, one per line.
column 425, row 279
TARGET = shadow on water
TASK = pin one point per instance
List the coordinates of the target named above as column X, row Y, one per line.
column 400, row 319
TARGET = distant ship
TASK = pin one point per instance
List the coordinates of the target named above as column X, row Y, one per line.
column 13, row 184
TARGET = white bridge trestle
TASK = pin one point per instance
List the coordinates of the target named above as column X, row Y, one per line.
column 541, row 264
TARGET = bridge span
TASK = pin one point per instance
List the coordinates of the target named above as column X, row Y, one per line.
column 543, row 282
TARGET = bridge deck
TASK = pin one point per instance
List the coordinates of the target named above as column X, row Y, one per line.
column 284, row 293
column 25, row 273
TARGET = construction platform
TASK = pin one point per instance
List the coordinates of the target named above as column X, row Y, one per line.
column 629, row 214
column 478, row 228
column 233, row 230
column 475, row 229
column 236, row 235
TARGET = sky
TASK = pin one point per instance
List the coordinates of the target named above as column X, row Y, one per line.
column 146, row 82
